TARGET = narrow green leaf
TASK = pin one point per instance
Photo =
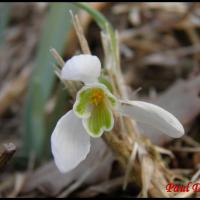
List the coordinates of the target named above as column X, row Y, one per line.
column 102, row 22
column 104, row 25
column 99, row 18
column 54, row 33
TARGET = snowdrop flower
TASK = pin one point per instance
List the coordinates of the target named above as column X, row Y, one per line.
column 92, row 114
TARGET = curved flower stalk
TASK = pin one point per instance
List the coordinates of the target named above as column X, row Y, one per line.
column 92, row 114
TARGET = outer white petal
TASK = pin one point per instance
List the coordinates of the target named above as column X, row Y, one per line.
column 70, row 143
column 84, row 67
column 152, row 115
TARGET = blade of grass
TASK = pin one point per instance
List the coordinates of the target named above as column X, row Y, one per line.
column 102, row 22
column 55, row 30
column 99, row 18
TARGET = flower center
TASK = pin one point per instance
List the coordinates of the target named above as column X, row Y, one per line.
column 97, row 96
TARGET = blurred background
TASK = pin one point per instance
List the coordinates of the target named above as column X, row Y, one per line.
column 160, row 53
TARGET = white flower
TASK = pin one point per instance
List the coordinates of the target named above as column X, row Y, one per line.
column 92, row 114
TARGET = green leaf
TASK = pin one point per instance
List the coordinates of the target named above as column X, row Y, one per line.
column 99, row 18
column 105, row 25
column 102, row 22
column 56, row 26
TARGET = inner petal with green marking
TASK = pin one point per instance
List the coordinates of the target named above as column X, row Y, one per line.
column 100, row 120
column 94, row 104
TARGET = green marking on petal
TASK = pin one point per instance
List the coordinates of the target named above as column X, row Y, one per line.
column 93, row 104
column 81, row 106
column 101, row 119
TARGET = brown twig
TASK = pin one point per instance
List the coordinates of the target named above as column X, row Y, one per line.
column 80, row 33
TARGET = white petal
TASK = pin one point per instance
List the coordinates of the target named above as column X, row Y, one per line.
column 152, row 115
column 70, row 143
column 84, row 67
